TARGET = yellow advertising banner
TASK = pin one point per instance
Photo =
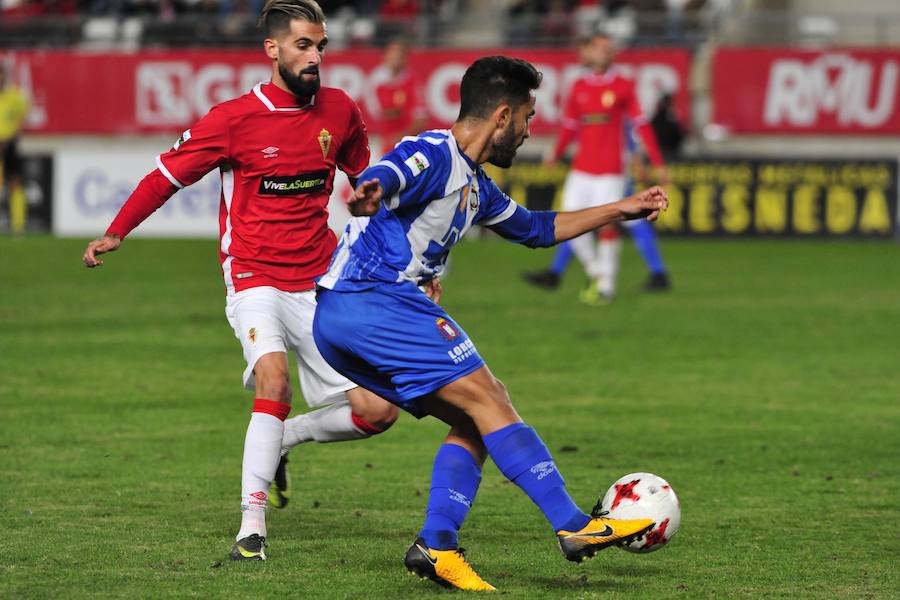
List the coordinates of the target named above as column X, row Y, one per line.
column 750, row 197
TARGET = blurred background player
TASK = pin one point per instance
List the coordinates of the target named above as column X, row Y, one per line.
column 277, row 149
column 667, row 128
column 13, row 110
column 400, row 107
column 595, row 112
column 641, row 231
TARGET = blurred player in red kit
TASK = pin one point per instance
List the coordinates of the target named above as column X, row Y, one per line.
column 594, row 113
column 400, row 107
column 277, row 149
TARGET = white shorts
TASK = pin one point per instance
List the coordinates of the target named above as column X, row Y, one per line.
column 266, row 319
column 584, row 190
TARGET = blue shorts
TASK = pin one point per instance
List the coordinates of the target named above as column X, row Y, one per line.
column 394, row 341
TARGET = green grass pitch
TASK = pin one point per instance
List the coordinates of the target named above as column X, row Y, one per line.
column 765, row 388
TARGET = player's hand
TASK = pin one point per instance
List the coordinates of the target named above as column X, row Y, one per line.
column 366, row 199
column 646, row 204
column 108, row 243
column 433, row 289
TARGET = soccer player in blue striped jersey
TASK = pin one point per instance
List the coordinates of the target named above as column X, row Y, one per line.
column 374, row 325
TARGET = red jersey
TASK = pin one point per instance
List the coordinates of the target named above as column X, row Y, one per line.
column 400, row 104
column 277, row 162
column 595, row 111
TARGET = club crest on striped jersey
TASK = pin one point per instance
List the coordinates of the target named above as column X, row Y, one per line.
column 325, row 142
column 468, row 194
column 447, row 329
column 184, row 137
column 417, row 163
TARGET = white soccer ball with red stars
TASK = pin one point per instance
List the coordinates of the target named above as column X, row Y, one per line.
column 644, row 496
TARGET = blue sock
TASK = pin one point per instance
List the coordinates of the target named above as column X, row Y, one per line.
column 562, row 258
column 645, row 239
column 454, row 482
column 524, row 459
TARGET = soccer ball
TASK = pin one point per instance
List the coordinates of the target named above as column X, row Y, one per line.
column 644, row 496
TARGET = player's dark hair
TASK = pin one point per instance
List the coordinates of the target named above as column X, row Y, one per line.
column 493, row 80
column 277, row 15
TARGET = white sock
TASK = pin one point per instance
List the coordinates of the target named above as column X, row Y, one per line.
column 261, row 454
column 333, row 423
column 607, row 266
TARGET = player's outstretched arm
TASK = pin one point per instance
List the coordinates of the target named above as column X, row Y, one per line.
column 646, row 204
column 366, row 199
column 108, row 243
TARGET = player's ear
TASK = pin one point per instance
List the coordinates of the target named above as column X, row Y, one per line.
column 502, row 115
column 271, row 46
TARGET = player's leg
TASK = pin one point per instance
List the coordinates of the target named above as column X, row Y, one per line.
column 254, row 315
column 344, row 411
column 522, row 457
column 455, row 478
column 550, row 279
column 12, row 174
column 352, row 415
column 607, row 189
column 577, row 194
column 609, row 249
column 262, row 451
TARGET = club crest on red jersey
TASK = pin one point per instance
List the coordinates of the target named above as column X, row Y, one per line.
column 447, row 329
column 608, row 98
column 325, row 142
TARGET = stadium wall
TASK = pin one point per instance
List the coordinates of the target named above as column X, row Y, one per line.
column 94, row 147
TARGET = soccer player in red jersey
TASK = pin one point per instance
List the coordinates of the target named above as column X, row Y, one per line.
column 595, row 112
column 277, row 149
column 401, row 108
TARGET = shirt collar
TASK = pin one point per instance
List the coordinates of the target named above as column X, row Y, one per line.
column 471, row 164
column 606, row 77
column 277, row 99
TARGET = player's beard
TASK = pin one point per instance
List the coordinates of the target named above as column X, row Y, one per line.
column 504, row 150
column 299, row 86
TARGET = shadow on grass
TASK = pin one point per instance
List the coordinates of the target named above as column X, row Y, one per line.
column 633, row 571
column 609, row 579
column 578, row 582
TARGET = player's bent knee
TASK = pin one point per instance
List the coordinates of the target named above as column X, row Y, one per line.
column 274, row 388
column 373, row 409
column 273, row 382
column 382, row 416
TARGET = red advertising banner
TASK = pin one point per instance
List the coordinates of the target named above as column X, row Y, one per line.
column 167, row 91
column 779, row 90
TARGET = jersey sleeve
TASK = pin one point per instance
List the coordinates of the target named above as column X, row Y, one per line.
column 354, row 154
column 642, row 127
column 569, row 123
column 500, row 214
column 198, row 151
column 414, row 172
column 152, row 192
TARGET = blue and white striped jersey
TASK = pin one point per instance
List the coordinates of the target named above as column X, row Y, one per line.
column 433, row 193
